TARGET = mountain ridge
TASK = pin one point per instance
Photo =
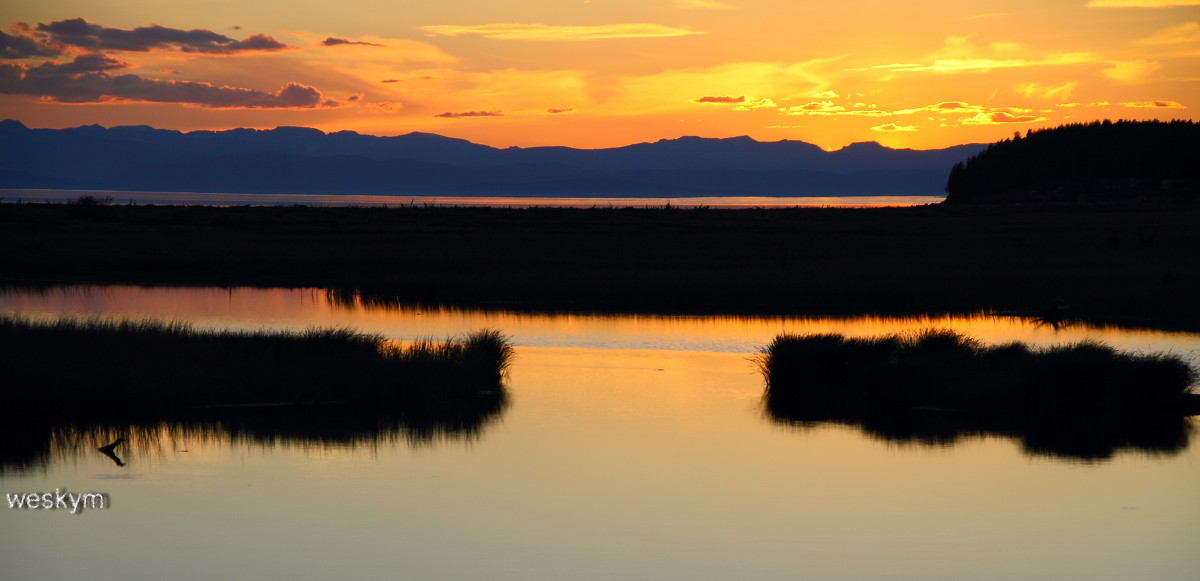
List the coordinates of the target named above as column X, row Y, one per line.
column 292, row 159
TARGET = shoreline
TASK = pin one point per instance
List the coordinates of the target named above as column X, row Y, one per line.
column 1113, row 265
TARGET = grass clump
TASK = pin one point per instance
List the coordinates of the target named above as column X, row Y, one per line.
column 73, row 364
column 1083, row 401
column 946, row 370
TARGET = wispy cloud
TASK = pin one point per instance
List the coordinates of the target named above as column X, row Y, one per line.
column 983, row 65
column 741, row 99
column 547, row 32
column 1186, row 33
column 1131, row 71
column 1001, row 118
column 451, row 115
column 1141, row 3
column 332, row 41
column 887, row 127
column 753, row 104
column 1154, row 105
column 1047, row 92
column 704, row 4
column 960, row 55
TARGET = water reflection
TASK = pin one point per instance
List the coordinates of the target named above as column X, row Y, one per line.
column 33, row 445
column 1071, row 436
column 280, row 308
column 590, row 338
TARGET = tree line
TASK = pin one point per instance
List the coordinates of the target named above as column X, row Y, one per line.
column 1084, row 162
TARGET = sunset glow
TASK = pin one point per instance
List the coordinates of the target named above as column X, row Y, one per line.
column 604, row 73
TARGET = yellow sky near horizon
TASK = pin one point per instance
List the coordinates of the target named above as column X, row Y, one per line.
column 604, row 73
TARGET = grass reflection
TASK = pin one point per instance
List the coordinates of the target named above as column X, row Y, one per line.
column 1082, row 401
column 78, row 384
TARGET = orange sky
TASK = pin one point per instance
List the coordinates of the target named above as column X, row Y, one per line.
column 602, row 73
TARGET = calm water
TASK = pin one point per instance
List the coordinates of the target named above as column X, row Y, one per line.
column 633, row 447
column 219, row 199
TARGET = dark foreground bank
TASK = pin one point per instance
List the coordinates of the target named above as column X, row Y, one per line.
column 1135, row 266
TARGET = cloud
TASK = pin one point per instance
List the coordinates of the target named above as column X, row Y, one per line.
column 1186, row 33
column 1001, row 118
column 741, row 99
column 1047, row 92
column 85, row 35
column 1154, row 105
column 383, row 107
column 88, row 80
column 669, row 89
column 1092, row 104
column 1141, row 3
column 894, row 127
column 816, row 108
column 1131, row 71
column 555, row 111
column 751, row 105
column 450, row 115
column 959, row 55
column 704, row 4
column 826, row 95
column 25, row 43
column 944, row 108
column 547, row 32
column 333, row 41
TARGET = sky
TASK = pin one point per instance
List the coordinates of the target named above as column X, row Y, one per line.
column 604, row 73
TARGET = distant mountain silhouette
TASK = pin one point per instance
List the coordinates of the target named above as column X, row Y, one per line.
column 1092, row 162
column 309, row 161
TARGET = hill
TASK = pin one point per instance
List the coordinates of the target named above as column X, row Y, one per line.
column 1084, row 163
column 308, row 161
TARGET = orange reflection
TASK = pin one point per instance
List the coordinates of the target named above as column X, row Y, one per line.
column 253, row 308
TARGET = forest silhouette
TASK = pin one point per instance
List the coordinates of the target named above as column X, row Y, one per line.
column 1102, row 161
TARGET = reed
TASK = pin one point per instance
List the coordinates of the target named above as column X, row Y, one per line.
column 79, row 365
column 939, row 369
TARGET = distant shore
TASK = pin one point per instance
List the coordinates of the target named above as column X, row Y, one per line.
column 1126, row 265
column 355, row 200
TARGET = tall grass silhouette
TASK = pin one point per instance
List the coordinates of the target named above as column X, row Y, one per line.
column 1084, row 400
column 945, row 369
column 74, row 377
column 71, row 364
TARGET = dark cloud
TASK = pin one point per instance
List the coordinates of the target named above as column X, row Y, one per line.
column 85, row 35
column 390, row 81
column 331, row 41
column 26, row 42
column 741, row 99
column 559, row 110
column 471, row 114
column 88, row 80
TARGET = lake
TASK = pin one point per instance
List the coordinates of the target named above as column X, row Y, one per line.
column 227, row 199
column 631, row 447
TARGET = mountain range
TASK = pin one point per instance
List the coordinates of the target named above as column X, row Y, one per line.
column 298, row 160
